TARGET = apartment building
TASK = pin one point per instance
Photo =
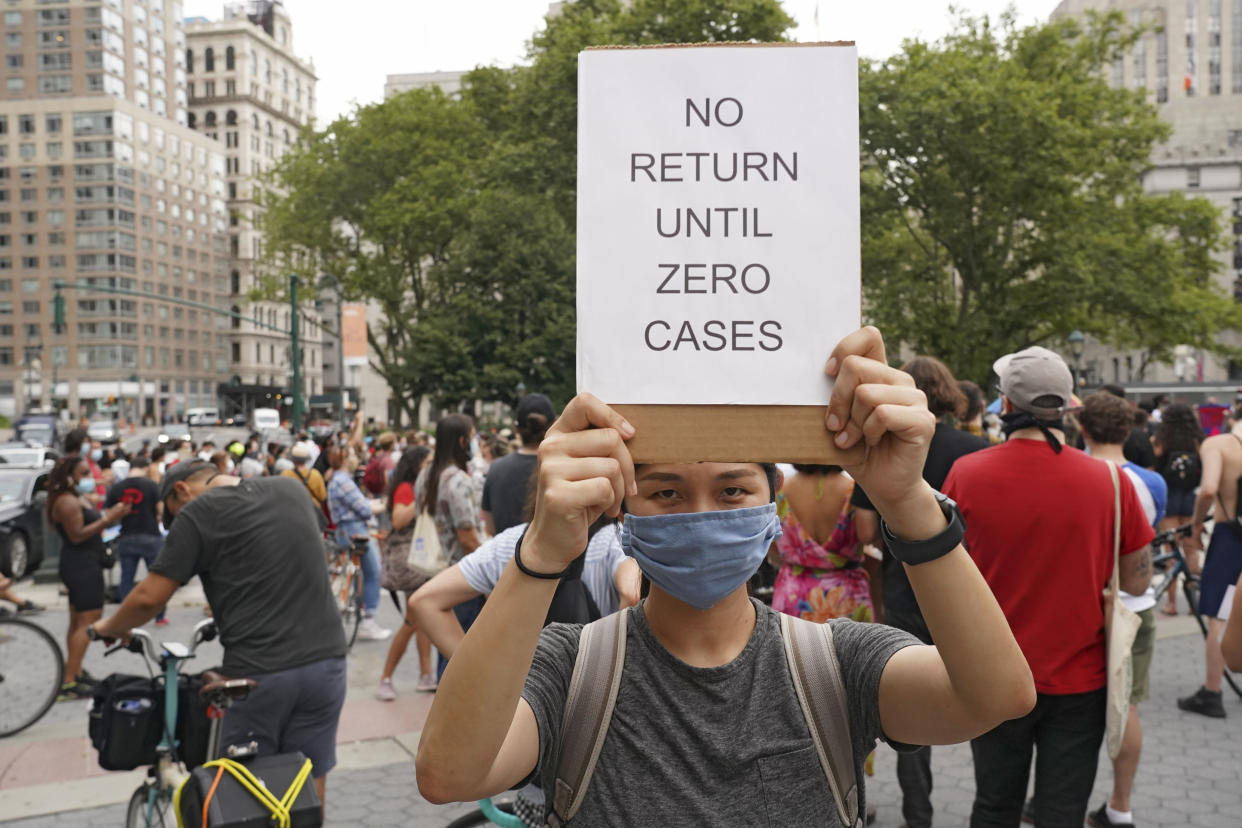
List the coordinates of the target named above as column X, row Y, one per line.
column 104, row 187
column 1189, row 63
column 250, row 91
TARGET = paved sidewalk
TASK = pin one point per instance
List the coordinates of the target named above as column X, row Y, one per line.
column 1191, row 773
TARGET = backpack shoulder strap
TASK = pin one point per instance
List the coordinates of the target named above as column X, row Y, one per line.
column 817, row 681
column 588, row 712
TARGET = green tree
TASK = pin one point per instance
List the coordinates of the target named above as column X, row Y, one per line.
column 1003, row 203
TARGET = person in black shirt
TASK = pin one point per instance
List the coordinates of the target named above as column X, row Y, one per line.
column 140, row 530
column 256, row 547
column 901, row 609
column 508, row 479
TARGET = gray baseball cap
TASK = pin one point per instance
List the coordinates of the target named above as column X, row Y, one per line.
column 1033, row 374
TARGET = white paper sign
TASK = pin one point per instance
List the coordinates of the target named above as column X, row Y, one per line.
column 718, row 223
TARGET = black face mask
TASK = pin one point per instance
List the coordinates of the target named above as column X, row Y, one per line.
column 1018, row 420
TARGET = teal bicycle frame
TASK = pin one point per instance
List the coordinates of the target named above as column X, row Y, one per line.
column 498, row 816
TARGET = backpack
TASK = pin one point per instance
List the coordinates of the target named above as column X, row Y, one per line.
column 596, row 679
column 373, row 477
column 1182, row 470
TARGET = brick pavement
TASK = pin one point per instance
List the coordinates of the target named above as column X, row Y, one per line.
column 1191, row 773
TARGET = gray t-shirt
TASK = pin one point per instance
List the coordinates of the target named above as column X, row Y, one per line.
column 257, row 549
column 711, row 746
column 455, row 510
column 504, row 492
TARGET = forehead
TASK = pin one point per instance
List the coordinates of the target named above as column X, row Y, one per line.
column 698, row 473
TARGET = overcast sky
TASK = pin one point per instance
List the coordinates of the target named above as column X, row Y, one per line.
column 355, row 45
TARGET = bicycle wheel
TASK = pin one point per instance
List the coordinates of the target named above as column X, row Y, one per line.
column 352, row 615
column 150, row 807
column 31, row 671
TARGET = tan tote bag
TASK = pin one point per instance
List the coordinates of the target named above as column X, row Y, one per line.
column 1121, row 625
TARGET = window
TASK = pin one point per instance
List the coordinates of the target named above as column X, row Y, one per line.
column 52, row 122
column 1235, row 46
column 15, row 85
column 13, row 40
column 189, row 63
column 1214, row 51
column 1162, row 64
column 209, row 60
column 25, row 124
column 12, row 18
column 1192, row 177
column 229, row 57
column 55, row 84
column 1191, row 83
column 13, row 62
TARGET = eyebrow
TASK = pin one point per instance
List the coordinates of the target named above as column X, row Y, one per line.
column 737, row 474
column 666, row 477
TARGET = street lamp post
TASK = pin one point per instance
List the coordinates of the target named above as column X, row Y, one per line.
column 1077, row 342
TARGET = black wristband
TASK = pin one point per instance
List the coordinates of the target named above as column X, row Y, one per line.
column 918, row 552
column 543, row 576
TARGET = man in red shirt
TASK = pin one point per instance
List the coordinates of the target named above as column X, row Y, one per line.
column 1039, row 525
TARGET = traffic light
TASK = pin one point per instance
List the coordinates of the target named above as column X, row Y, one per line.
column 58, row 313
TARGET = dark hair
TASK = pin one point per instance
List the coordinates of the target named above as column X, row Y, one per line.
column 336, row 457
column 811, row 468
column 974, row 399
column 531, row 429
column 451, row 432
column 1114, row 389
column 157, row 454
column 60, row 480
column 934, row 379
column 139, row 461
column 1179, row 429
column 74, row 440
column 1106, row 418
column 406, row 470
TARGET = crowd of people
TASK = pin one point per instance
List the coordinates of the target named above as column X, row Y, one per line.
column 961, row 569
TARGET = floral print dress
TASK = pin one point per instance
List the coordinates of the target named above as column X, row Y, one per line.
column 821, row 582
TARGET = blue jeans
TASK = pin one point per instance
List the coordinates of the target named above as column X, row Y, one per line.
column 370, row 563
column 130, row 549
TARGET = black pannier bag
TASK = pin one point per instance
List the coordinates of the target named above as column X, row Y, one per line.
column 233, row 806
column 126, row 716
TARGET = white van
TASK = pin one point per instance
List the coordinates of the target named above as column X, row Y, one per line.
column 202, row 417
column 265, row 419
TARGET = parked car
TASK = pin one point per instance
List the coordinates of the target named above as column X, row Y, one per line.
column 23, row 497
column 37, row 428
column 173, row 432
column 202, row 417
column 22, row 455
column 105, row 431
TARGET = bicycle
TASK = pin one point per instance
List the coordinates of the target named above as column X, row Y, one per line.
column 345, row 575
column 489, row 813
column 32, row 669
column 1174, row 565
column 153, row 803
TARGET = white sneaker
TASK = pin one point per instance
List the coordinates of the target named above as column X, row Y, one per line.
column 385, row 692
column 426, row 683
column 368, row 630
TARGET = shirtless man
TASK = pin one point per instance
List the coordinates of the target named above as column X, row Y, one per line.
column 1221, row 458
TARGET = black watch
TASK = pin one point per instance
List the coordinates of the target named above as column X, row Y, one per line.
column 922, row 551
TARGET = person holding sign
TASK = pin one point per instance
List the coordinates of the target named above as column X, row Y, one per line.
column 707, row 727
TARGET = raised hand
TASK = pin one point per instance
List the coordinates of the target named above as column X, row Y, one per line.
column 585, row 470
column 879, row 406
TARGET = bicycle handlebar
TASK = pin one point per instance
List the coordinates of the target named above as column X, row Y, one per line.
column 141, row 642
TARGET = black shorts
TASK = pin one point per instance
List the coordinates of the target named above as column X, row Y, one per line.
column 1181, row 503
column 83, row 577
column 1221, row 568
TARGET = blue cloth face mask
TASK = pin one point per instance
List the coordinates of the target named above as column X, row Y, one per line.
column 86, row 485
column 700, row 557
